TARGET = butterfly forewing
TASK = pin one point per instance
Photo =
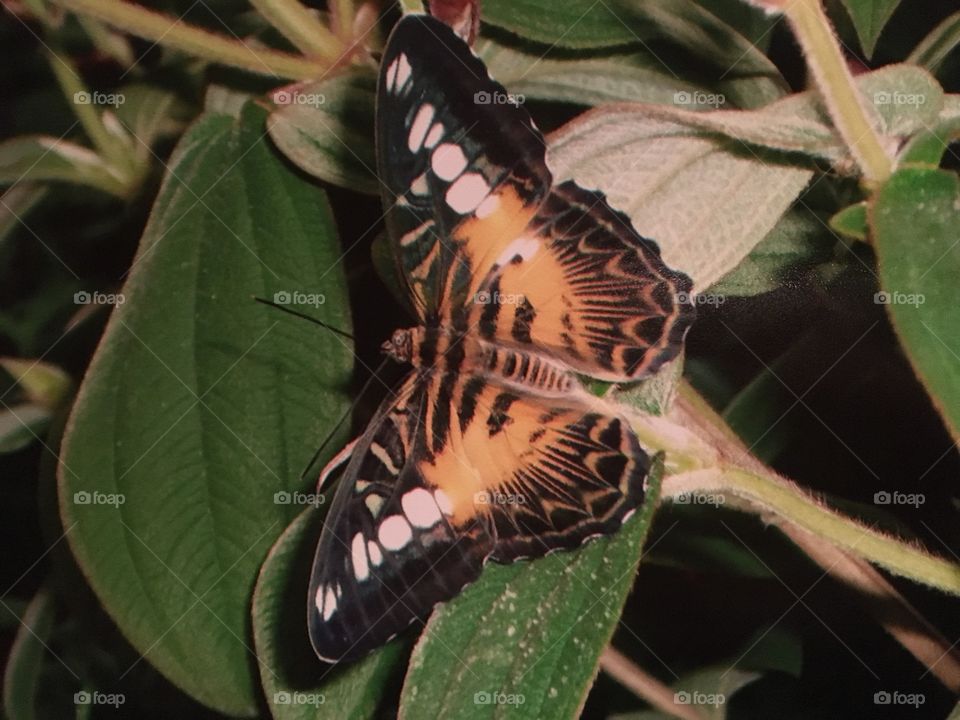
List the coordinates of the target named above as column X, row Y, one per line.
column 462, row 168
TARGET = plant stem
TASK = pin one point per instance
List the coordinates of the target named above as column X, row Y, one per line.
column 174, row 33
column 342, row 14
column 847, row 108
column 784, row 500
column 300, row 26
column 108, row 146
column 935, row 47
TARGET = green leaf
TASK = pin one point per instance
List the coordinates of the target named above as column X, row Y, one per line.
column 851, row 222
column 201, row 404
column 526, row 639
column 16, row 203
column 798, row 240
column 21, row 424
column 41, row 382
column 21, row 677
column 637, row 77
column 571, row 24
column 869, row 18
column 295, row 683
column 149, row 113
column 745, row 73
column 706, row 201
column 935, row 47
column 42, row 158
column 914, row 220
column 325, row 128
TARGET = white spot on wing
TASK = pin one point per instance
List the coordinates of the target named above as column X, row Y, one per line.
column 467, row 193
column 525, row 247
column 381, row 454
column 489, row 206
column 403, row 72
column 376, row 557
column 448, row 161
column 420, row 508
column 433, row 137
column 358, row 553
column 392, row 75
column 395, row 532
column 329, row 603
column 419, row 127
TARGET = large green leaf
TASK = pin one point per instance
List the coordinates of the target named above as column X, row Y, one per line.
column 200, row 405
column 525, row 641
column 295, row 683
column 914, row 220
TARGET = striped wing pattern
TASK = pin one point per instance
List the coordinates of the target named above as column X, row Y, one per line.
column 491, row 449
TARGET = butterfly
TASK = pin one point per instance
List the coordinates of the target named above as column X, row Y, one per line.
column 491, row 449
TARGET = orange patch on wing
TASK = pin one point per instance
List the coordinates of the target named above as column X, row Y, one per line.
column 485, row 238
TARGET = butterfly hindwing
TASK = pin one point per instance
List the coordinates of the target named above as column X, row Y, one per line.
column 582, row 285
column 462, row 169
column 388, row 551
column 547, row 472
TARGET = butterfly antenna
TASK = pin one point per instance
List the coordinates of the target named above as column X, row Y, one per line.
column 343, row 417
column 297, row 313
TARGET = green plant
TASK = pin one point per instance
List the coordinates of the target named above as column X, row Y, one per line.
column 200, row 406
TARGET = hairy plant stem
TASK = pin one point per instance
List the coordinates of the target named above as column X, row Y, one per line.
column 174, row 33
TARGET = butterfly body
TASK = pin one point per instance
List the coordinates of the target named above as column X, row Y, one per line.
column 491, row 449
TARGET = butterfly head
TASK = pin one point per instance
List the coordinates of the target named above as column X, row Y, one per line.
column 400, row 345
